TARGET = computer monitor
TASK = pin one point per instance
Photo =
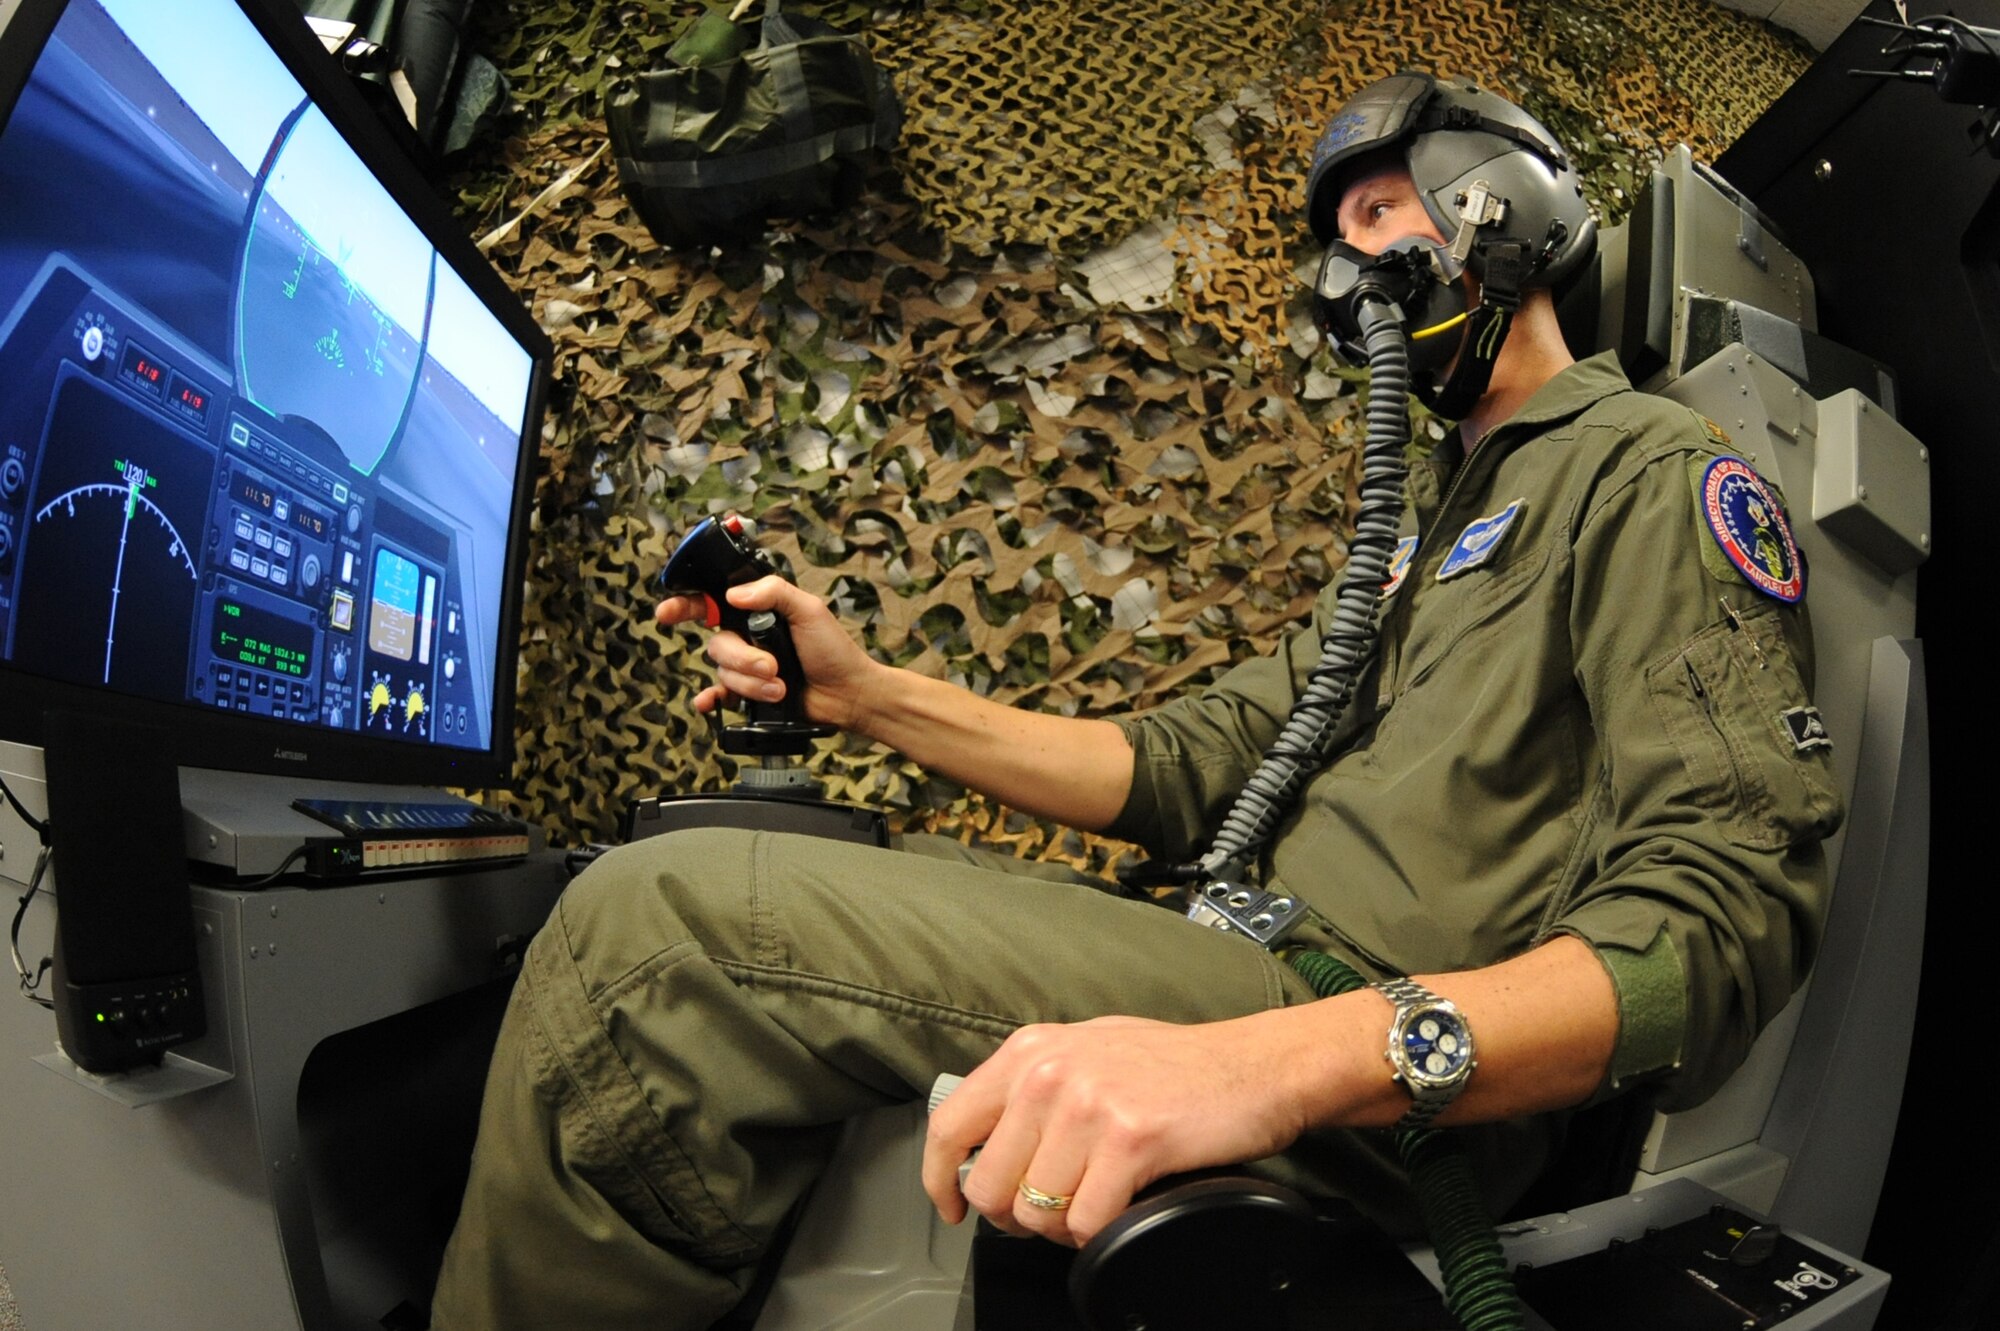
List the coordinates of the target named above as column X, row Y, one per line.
column 267, row 418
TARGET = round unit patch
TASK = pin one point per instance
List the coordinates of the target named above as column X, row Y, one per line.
column 1744, row 517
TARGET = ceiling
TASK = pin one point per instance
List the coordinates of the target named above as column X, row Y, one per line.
column 1818, row 21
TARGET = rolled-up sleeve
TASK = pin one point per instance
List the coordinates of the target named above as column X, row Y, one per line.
column 1709, row 891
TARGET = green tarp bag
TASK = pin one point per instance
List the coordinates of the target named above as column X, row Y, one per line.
column 733, row 132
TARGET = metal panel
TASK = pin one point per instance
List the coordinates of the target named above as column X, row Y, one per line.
column 1835, row 1113
column 196, row 1213
column 1872, row 483
column 871, row 1253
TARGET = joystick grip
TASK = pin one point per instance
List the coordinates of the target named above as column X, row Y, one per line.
column 767, row 630
column 714, row 557
column 711, row 559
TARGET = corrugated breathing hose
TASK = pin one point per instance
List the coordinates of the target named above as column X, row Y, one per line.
column 1300, row 749
column 1478, row 1287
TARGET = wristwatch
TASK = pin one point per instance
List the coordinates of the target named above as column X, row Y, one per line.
column 1430, row 1048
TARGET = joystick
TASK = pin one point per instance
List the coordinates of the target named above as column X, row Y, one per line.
column 778, row 793
column 717, row 555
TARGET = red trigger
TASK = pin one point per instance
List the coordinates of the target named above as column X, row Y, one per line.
column 713, row 618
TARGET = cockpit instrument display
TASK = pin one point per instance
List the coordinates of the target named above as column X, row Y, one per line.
column 263, row 431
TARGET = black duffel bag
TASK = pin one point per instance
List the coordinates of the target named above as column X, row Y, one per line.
column 735, row 131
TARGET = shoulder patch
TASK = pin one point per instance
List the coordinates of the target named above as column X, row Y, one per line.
column 1399, row 565
column 1748, row 525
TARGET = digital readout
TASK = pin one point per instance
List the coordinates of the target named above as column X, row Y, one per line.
column 141, row 370
column 188, row 399
column 245, row 635
column 309, row 520
column 252, row 492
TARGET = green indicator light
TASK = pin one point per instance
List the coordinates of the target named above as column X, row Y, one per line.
column 100, row 1016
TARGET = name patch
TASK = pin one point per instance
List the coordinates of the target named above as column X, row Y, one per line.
column 1807, row 730
column 1479, row 542
column 1744, row 518
column 1399, row 565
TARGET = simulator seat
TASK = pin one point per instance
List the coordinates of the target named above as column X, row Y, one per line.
column 1706, row 306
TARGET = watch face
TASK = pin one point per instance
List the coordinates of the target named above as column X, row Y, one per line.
column 1436, row 1045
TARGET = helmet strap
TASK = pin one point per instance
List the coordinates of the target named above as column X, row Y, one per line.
column 1505, row 265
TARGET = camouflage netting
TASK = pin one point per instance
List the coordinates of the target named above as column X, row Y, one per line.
column 1045, row 414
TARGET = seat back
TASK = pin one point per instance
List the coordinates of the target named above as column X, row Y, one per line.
column 1706, row 306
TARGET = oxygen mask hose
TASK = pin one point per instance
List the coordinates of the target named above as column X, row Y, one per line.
column 1300, row 748
column 1478, row 1288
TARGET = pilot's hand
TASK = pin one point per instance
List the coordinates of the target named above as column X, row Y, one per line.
column 835, row 667
column 1097, row 1110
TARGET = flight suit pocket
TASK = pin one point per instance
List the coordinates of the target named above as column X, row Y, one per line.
column 1723, row 700
column 1451, row 613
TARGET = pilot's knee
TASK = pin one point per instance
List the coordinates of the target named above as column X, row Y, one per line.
column 680, row 888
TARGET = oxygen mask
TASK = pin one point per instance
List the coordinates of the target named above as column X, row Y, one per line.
column 1420, row 278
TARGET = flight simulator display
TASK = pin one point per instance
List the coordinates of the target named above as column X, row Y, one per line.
column 259, row 441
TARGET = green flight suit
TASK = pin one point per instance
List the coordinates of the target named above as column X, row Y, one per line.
column 1598, row 749
column 1584, row 734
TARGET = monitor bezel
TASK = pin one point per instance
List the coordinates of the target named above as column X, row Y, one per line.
column 206, row 738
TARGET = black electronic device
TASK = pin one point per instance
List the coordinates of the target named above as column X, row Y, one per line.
column 777, row 793
column 717, row 555
column 1720, row 1271
column 267, row 417
column 126, row 986
column 384, row 835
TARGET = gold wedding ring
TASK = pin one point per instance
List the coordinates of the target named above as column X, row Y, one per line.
column 1045, row 1201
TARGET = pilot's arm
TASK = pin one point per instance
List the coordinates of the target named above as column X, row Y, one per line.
column 1710, row 887
column 1072, row 770
column 1693, row 927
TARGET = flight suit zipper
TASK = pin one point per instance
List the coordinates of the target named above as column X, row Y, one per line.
column 1722, row 744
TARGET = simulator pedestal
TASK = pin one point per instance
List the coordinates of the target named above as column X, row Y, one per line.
column 301, row 1164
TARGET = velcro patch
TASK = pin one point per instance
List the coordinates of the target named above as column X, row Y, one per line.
column 1399, row 565
column 1808, row 731
column 1477, row 544
column 1744, row 518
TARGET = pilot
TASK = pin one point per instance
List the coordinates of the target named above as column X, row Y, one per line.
column 1566, row 800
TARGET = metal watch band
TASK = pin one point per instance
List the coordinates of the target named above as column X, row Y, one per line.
column 1404, row 992
column 1426, row 1103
